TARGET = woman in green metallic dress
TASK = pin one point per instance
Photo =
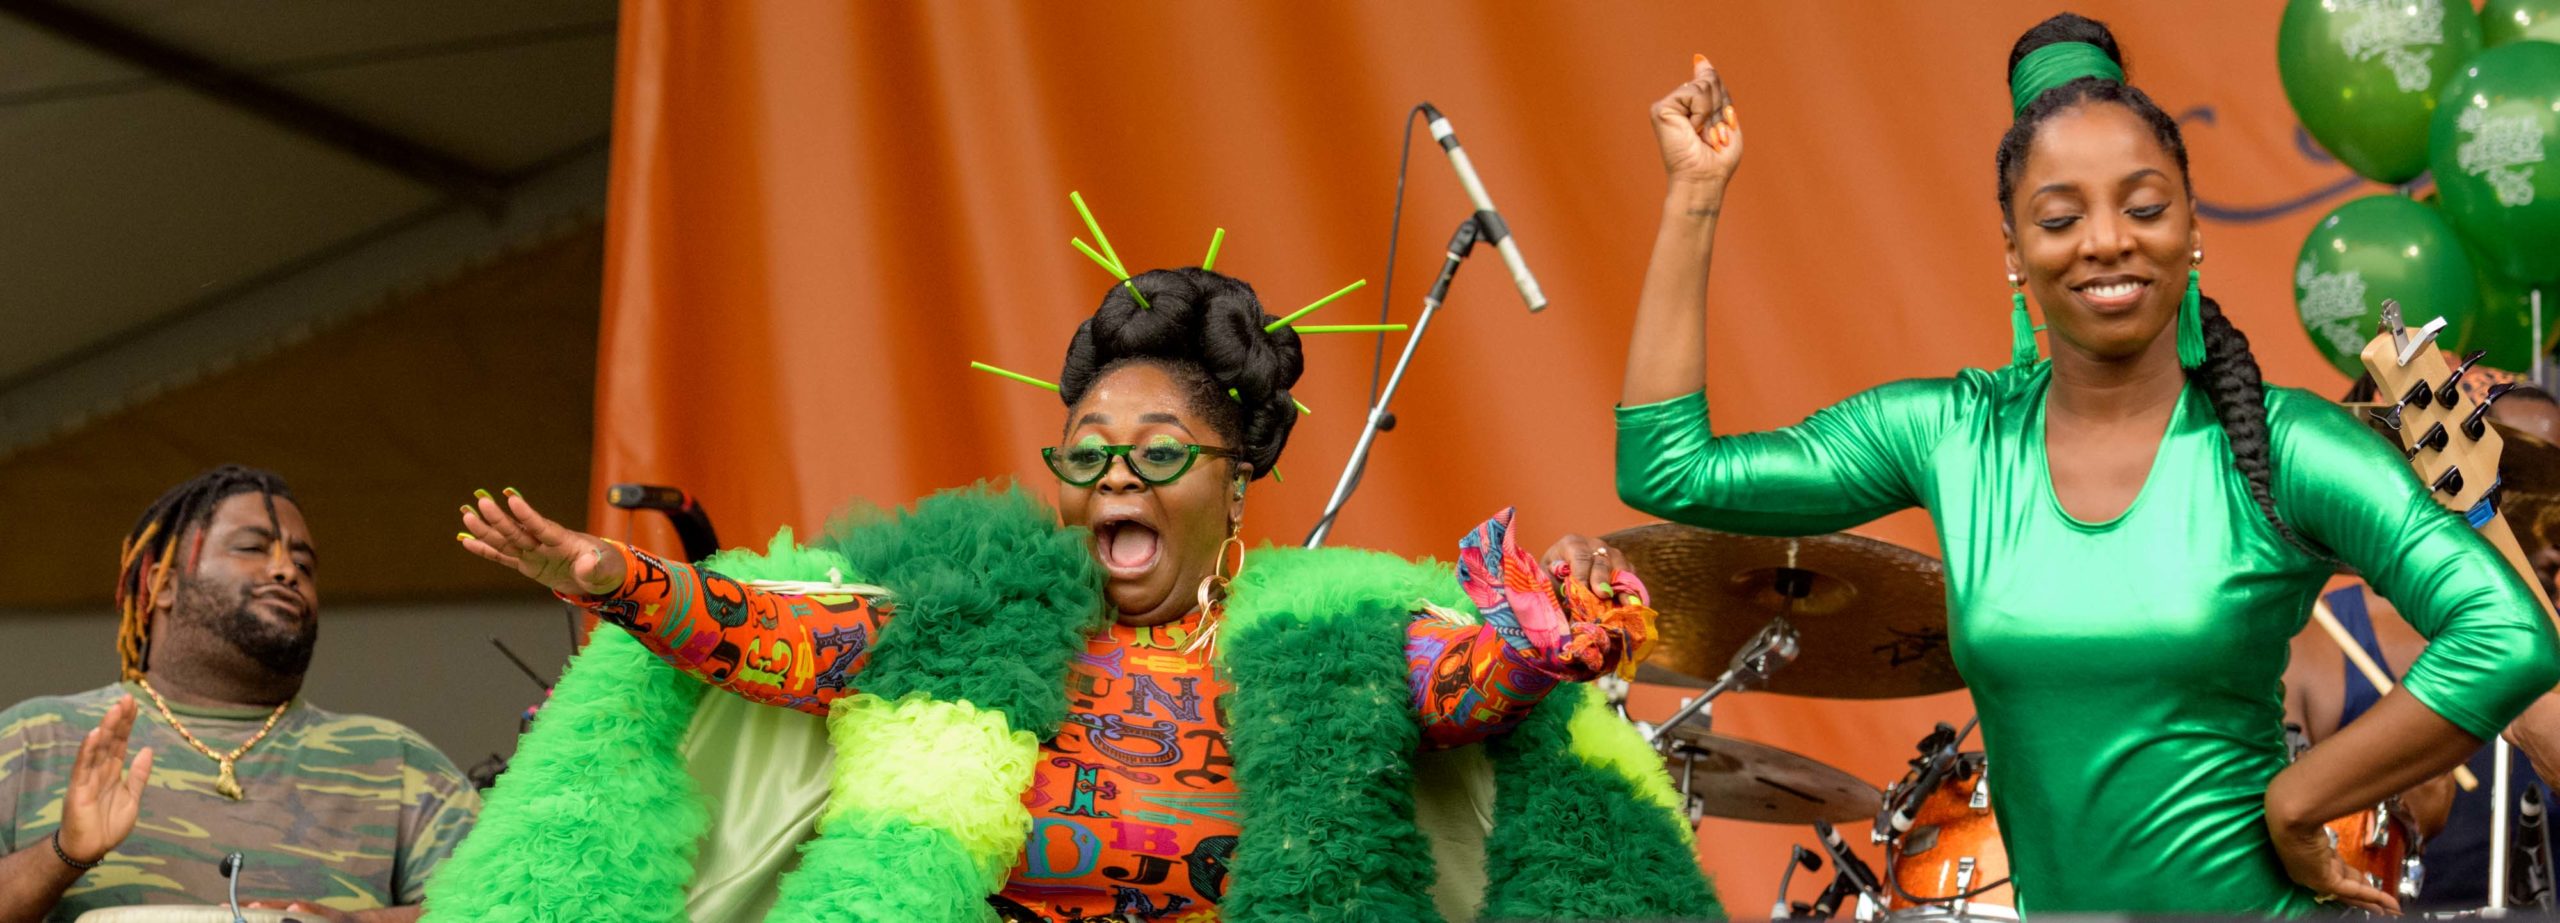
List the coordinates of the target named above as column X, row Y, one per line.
column 2132, row 529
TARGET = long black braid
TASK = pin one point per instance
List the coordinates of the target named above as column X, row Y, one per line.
column 2229, row 375
column 152, row 547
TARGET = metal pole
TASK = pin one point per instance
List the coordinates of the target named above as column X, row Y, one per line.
column 1369, row 430
column 2498, row 829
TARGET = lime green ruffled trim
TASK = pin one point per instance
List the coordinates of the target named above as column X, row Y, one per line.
column 1606, row 741
column 946, row 765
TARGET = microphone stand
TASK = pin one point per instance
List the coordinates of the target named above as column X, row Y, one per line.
column 231, row 871
column 1462, row 243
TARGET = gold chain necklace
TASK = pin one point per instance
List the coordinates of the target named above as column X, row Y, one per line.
column 227, row 783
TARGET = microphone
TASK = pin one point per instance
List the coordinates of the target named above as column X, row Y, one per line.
column 2529, row 883
column 1851, row 867
column 693, row 526
column 647, row 497
column 1495, row 231
column 1828, row 904
column 231, row 870
column 1938, row 757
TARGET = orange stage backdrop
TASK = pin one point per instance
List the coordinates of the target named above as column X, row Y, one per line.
column 821, row 212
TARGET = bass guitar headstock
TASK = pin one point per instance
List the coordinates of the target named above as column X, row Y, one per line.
column 2444, row 432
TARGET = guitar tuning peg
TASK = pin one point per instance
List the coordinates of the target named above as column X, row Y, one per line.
column 2452, row 387
column 2476, row 423
column 2449, row 483
column 2436, row 439
column 2420, row 395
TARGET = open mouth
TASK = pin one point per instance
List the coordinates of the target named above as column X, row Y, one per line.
column 2112, row 294
column 1126, row 547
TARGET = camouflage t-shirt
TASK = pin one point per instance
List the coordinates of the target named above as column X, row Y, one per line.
column 348, row 811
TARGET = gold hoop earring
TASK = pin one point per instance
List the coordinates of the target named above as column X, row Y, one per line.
column 1213, row 593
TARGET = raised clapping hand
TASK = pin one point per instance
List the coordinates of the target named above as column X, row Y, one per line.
column 1700, row 136
column 105, row 796
column 510, row 532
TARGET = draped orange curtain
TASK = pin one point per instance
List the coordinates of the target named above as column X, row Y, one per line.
column 822, row 212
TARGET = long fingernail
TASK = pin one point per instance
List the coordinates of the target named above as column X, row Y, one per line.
column 467, row 510
column 463, row 536
column 512, row 492
column 1697, row 59
column 482, row 494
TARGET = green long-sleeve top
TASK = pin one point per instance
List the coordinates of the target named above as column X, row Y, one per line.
column 2128, row 673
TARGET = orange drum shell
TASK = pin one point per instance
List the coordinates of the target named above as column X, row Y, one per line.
column 1946, row 830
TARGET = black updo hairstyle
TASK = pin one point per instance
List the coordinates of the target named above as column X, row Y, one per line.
column 1206, row 329
column 2229, row 375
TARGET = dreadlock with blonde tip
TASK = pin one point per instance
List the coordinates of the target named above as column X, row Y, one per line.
column 151, row 550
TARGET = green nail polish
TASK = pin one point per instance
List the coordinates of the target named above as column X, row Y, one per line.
column 482, row 494
column 462, row 536
column 510, row 491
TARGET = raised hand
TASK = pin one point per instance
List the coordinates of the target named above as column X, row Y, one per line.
column 510, row 532
column 105, row 796
column 1700, row 137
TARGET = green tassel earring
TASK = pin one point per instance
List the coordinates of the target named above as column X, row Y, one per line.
column 2191, row 320
column 2022, row 331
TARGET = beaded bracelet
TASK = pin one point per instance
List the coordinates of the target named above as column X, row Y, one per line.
column 58, row 853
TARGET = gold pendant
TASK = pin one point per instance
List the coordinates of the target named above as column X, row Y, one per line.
column 227, row 784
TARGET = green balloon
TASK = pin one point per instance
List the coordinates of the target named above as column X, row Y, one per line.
column 2507, row 21
column 2499, row 123
column 2375, row 248
column 2504, row 324
column 2365, row 75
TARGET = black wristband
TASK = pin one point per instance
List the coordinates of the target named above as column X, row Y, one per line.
column 56, row 840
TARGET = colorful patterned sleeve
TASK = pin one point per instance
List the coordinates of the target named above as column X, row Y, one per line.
column 1534, row 626
column 797, row 652
column 1469, row 684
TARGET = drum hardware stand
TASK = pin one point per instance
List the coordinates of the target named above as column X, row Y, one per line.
column 1802, row 858
column 1614, row 689
column 1773, row 648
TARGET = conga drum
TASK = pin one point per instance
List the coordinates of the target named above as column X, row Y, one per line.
column 185, row 913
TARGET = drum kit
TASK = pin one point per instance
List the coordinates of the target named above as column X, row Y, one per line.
column 1840, row 616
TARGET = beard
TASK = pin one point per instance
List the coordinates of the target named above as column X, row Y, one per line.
column 231, row 614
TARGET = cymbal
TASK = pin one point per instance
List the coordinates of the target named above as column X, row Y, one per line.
column 1871, row 619
column 1742, row 780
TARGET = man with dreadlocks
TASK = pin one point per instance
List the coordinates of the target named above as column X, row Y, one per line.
column 339, row 817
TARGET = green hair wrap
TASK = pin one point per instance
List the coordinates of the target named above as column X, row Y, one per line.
column 2054, row 65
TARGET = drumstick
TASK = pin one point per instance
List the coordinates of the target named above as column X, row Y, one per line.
column 2372, row 672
